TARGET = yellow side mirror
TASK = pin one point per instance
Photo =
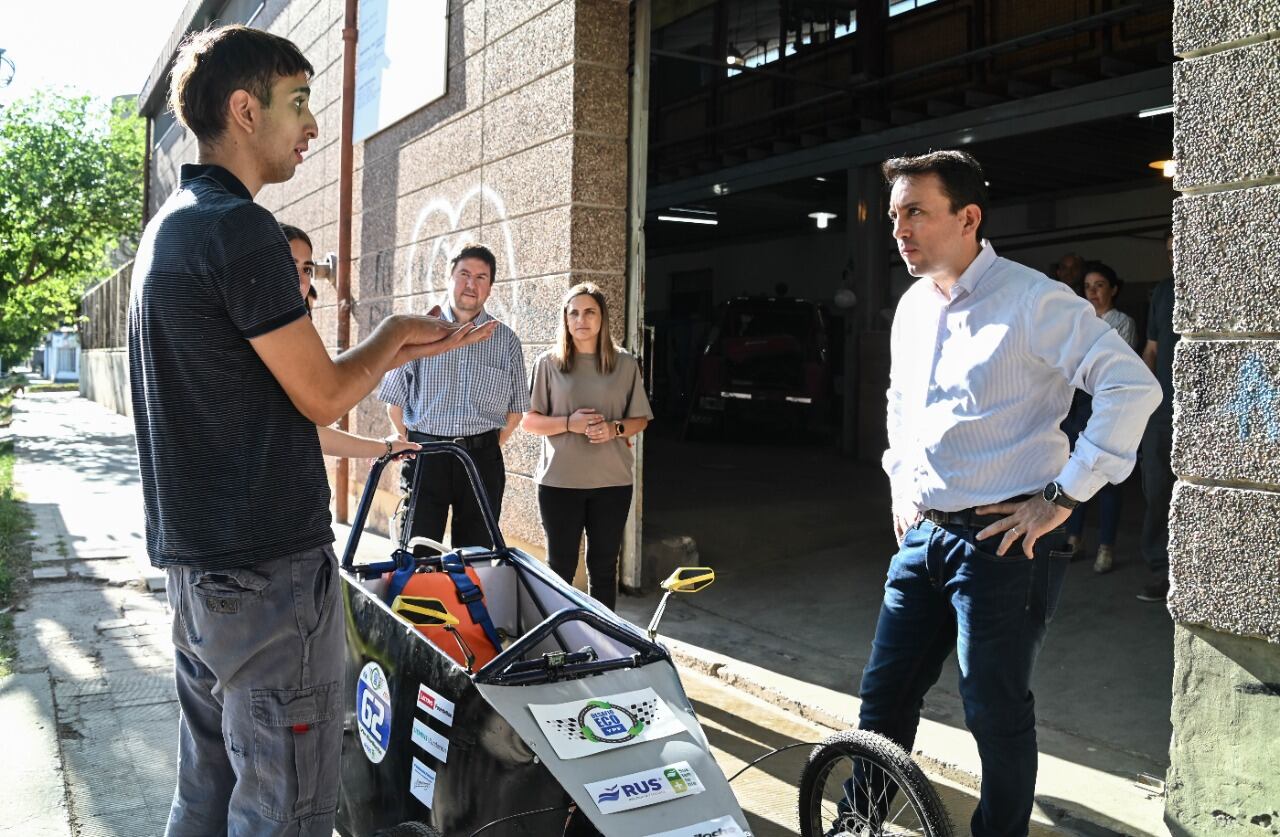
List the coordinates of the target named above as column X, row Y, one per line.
column 421, row 611
column 689, row 579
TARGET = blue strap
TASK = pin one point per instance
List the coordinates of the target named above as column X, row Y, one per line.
column 471, row 596
column 400, row 576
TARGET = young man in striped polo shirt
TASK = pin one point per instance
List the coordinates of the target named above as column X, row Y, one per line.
column 229, row 380
column 475, row 397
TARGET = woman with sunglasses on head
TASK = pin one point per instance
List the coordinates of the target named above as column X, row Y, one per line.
column 587, row 401
column 334, row 442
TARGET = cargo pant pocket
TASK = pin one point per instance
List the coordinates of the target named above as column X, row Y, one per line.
column 294, row 766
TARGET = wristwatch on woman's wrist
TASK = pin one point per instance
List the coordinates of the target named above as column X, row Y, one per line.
column 388, row 441
column 619, row 429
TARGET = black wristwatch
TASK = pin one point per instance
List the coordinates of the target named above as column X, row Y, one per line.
column 1054, row 494
column 619, row 428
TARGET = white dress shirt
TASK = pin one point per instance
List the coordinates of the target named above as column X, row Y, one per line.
column 981, row 378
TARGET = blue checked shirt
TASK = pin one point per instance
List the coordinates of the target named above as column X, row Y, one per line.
column 461, row 392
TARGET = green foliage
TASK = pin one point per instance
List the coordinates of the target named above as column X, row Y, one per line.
column 70, row 191
column 15, row 549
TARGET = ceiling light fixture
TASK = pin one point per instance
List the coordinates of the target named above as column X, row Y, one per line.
column 680, row 219
column 734, row 58
column 721, row 188
column 691, row 210
column 1166, row 167
column 1160, row 111
column 822, row 218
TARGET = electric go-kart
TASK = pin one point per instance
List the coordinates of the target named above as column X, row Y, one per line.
column 488, row 698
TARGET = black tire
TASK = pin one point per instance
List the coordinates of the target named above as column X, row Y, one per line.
column 908, row 803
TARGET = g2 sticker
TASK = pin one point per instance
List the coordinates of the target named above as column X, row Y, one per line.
column 373, row 712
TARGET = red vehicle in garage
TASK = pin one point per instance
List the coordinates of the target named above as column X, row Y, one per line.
column 766, row 360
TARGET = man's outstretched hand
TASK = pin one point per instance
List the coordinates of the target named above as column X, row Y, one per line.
column 430, row 335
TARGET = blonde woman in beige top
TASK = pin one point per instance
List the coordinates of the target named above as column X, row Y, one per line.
column 587, row 400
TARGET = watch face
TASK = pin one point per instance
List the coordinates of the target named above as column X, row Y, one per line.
column 1051, row 491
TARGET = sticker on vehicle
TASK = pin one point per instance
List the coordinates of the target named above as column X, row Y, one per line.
column 585, row 727
column 373, row 711
column 647, row 787
column 435, row 704
column 422, row 783
column 430, row 740
column 719, row 827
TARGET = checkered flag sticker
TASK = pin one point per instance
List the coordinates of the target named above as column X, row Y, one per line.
column 597, row 724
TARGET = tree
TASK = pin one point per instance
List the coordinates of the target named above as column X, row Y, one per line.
column 70, row 191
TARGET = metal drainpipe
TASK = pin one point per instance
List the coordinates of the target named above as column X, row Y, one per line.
column 349, row 36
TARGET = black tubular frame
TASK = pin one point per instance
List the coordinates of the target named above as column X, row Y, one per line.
column 371, row 487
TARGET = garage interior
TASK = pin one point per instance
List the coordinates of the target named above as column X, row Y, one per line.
column 767, row 122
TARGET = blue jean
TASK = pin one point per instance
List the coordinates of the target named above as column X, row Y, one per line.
column 260, row 655
column 1108, row 501
column 944, row 592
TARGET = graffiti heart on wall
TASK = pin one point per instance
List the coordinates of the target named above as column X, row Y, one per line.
column 1255, row 401
column 429, row 271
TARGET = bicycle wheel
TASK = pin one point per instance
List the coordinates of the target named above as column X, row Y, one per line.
column 860, row 783
column 412, row 829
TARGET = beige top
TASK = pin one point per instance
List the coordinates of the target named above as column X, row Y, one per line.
column 568, row 460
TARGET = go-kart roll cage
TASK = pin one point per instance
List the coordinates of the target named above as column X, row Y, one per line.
column 509, row 668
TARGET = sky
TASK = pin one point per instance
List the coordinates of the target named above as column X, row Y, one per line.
column 104, row 48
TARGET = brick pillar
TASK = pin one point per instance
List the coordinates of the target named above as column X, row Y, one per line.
column 1224, row 541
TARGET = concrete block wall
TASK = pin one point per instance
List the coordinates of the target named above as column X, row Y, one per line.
column 1224, row 546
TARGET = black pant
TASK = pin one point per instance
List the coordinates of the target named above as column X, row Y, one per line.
column 1157, row 486
column 600, row 512
column 444, row 484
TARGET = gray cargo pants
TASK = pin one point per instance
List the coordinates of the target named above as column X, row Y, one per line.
column 259, row 663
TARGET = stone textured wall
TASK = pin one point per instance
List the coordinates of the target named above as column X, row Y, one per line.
column 526, row 152
column 1224, row 551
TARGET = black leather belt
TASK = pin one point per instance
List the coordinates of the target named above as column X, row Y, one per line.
column 969, row 516
column 476, row 442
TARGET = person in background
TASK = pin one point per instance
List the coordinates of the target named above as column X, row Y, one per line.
column 1101, row 287
column 1157, row 442
column 1070, row 272
column 586, row 403
column 474, row 398
column 334, row 442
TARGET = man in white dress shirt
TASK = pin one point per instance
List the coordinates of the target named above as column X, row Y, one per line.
column 985, row 355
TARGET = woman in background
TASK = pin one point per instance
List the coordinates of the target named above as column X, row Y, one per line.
column 1101, row 287
column 334, row 442
column 587, row 401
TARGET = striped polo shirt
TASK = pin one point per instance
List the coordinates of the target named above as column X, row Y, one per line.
column 231, row 471
column 463, row 392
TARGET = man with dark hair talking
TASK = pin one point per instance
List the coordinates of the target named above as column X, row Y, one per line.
column 229, row 380
column 984, row 356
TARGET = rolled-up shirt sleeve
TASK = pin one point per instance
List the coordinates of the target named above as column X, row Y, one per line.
column 1065, row 333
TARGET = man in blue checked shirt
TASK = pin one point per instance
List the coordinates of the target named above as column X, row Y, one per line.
column 474, row 396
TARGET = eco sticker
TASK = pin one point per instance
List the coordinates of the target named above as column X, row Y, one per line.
column 719, row 827
column 373, row 712
column 647, row 787
column 593, row 725
column 422, row 783
column 430, row 740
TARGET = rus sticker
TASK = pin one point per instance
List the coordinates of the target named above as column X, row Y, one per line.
column 435, row 704
column 647, row 787
column 373, row 712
